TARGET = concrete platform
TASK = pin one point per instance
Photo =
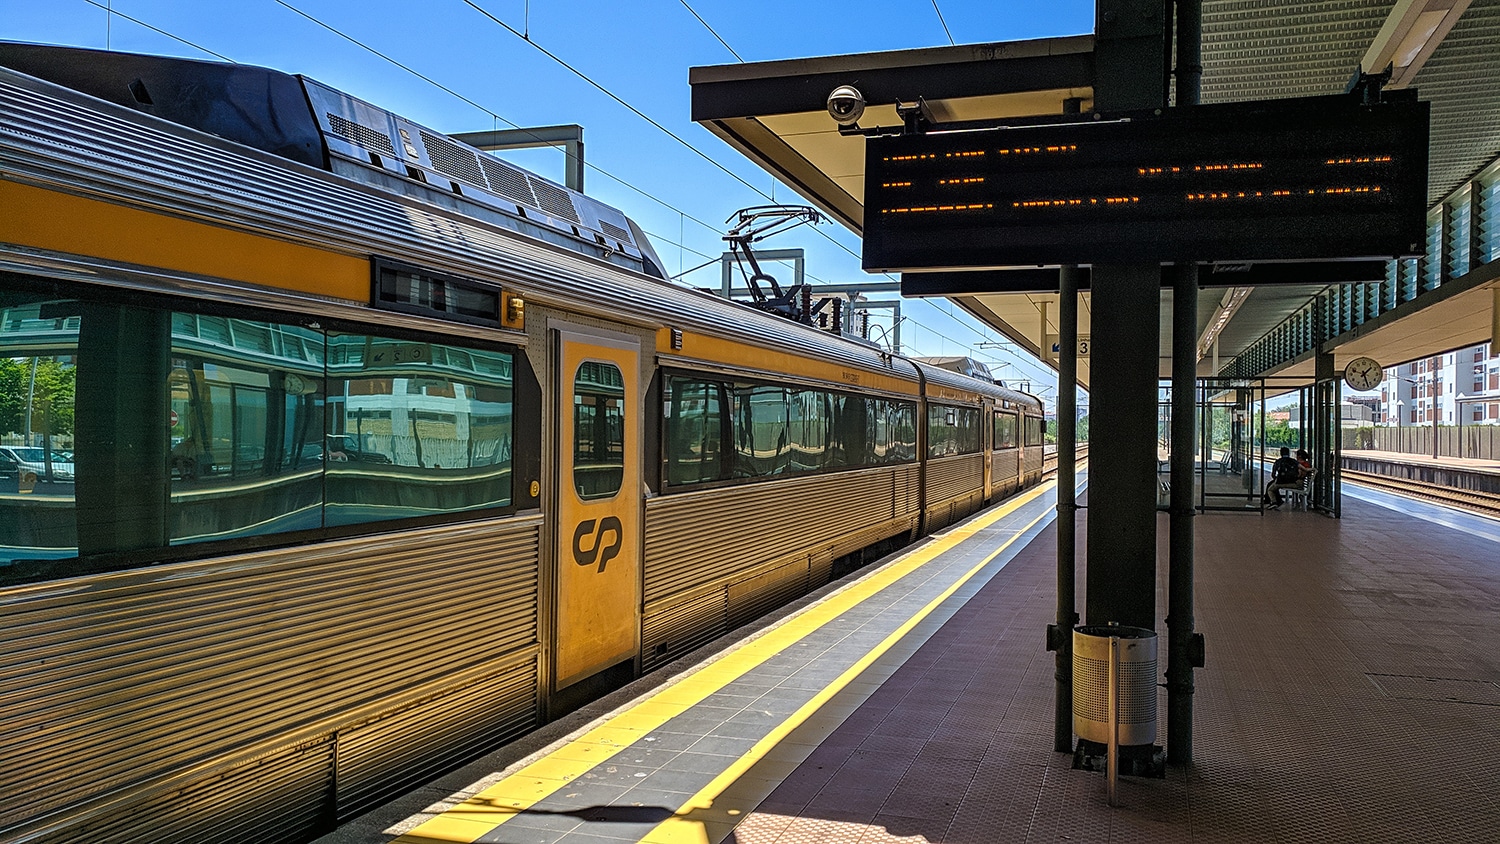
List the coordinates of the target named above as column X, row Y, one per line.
column 1352, row 693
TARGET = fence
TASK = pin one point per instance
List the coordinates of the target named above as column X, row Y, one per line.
column 1471, row 441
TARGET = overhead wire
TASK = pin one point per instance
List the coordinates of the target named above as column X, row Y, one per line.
column 112, row 12
column 711, row 30
column 944, row 23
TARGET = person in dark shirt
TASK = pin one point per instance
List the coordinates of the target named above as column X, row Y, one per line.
column 1285, row 472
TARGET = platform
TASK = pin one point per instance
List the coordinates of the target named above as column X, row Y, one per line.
column 1352, row 693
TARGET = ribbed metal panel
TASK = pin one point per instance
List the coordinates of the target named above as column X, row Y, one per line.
column 280, row 796
column 1032, row 461
column 53, row 136
column 121, row 686
column 397, row 751
column 700, row 538
column 751, row 598
column 1006, row 466
column 954, row 477
column 679, row 625
column 1256, row 50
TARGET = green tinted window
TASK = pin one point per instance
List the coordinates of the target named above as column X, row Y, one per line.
column 415, row 429
column 694, row 430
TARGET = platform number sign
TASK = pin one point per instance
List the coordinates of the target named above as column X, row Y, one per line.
column 1085, row 344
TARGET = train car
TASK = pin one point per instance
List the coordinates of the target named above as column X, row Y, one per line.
column 383, row 452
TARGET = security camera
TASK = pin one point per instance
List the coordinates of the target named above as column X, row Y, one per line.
column 846, row 105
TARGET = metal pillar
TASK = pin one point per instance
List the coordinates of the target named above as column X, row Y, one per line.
column 1067, row 506
column 1184, row 649
column 1130, row 59
column 1180, row 636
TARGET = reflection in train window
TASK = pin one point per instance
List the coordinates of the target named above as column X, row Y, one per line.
column 952, row 430
column 246, row 413
column 415, row 429
column 776, row 430
column 760, row 426
column 598, row 430
column 694, row 429
column 1005, row 430
column 38, row 374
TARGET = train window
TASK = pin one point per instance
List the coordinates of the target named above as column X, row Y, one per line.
column 414, row 429
column 777, row 430
column 1035, row 429
column 1005, row 431
column 952, row 430
column 760, row 425
column 903, row 447
column 598, row 429
column 694, row 430
column 38, row 374
column 808, row 430
column 245, row 424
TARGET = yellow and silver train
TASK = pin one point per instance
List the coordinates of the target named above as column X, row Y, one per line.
column 347, row 453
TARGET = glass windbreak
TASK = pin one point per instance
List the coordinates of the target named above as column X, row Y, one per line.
column 38, row 437
column 415, row 429
column 598, row 430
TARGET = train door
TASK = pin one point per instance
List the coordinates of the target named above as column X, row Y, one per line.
column 596, row 621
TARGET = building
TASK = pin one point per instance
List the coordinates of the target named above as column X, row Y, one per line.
column 1442, row 388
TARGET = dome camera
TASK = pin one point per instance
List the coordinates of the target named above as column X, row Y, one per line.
column 846, row 105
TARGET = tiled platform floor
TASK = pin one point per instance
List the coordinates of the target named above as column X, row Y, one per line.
column 1352, row 693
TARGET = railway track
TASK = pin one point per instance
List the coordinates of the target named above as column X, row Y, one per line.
column 1486, row 503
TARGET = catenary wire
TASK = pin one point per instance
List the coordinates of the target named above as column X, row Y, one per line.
column 112, row 11
column 711, row 30
column 944, row 23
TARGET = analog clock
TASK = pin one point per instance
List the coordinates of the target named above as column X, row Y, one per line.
column 1363, row 374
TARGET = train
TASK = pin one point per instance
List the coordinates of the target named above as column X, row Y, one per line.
column 383, row 452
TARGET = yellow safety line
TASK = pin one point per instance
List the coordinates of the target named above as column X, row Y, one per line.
column 513, row 795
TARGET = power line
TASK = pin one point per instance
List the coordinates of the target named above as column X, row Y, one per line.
column 111, row 11
column 608, row 93
column 440, row 86
column 711, row 30
column 944, row 23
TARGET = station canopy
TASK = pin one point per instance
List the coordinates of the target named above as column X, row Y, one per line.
column 775, row 113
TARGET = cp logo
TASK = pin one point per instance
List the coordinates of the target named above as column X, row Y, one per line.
column 601, row 553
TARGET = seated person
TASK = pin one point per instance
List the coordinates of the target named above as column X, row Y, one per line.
column 1286, row 472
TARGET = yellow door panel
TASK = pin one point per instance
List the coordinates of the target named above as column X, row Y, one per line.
column 599, row 503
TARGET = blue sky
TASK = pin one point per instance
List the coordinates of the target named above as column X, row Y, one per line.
column 639, row 50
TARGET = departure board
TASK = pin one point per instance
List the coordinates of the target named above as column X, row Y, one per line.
column 1305, row 179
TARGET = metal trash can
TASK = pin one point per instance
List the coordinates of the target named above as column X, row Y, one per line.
column 1136, row 684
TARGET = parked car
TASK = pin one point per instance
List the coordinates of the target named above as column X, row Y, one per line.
column 29, row 464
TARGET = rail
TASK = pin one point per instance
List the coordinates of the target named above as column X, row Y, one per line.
column 1485, row 503
column 1049, row 457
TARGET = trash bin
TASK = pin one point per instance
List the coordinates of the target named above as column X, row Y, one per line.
column 1136, row 682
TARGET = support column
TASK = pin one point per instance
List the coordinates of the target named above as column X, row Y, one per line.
column 1067, row 506
column 1130, row 53
column 1121, row 581
column 1180, row 636
column 1184, row 650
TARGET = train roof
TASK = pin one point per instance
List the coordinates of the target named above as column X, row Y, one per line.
column 54, row 135
column 303, row 120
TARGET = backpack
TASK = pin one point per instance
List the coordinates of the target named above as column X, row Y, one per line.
column 1287, row 470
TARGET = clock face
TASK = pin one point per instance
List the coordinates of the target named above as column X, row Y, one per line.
column 1363, row 374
